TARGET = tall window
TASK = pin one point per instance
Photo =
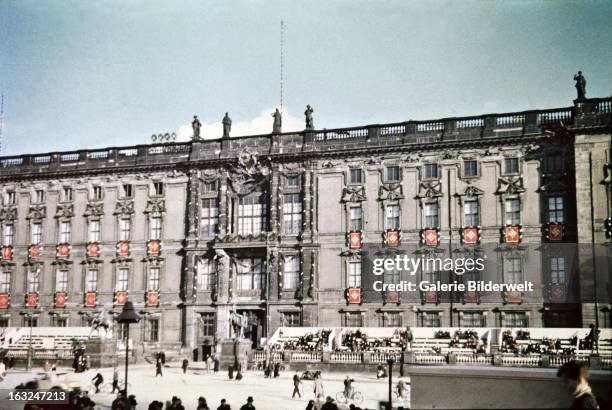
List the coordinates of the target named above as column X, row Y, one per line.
column 33, row 280
column 64, row 232
column 156, row 226
column 557, row 269
column 208, row 187
column 158, row 188
column 126, row 191
column 431, row 215
column 553, row 164
column 93, row 230
column 555, row 209
column 356, row 217
column 292, row 213
column 291, row 319
column 122, row 279
column 431, row 171
column 36, row 233
column 208, row 324
column 511, row 166
column 470, row 168
column 354, row 274
column 472, row 319
column 291, row 272
column 205, row 271
column 30, row 321
column 97, row 192
column 61, row 280
column 513, row 211
column 355, row 176
column 5, row 281
column 512, row 270
column 8, row 234
column 39, row 196
column 66, row 194
column 515, row 319
column 153, row 278
column 431, row 273
column 292, row 181
column 391, row 319
column 250, row 273
column 353, row 319
column 430, row 319
column 91, row 280
column 252, row 214
column 4, row 322
column 10, row 198
column 60, row 321
column 393, row 216
column 209, row 217
column 472, row 212
column 392, row 174
column 152, row 334
column 124, row 229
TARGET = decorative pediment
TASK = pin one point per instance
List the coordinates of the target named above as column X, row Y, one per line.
column 124, row 207
column 510, row 185
column 430, row 189
column 94, row 209
column 390, row 192
column 328, row 164
column 472, row 191
column 8, row 214
column 64, row 211
column 155, row 206
column 248, row 173
column 353, row 194
column 209, row 175
column 37, row 212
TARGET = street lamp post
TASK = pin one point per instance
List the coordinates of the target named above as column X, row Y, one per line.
column 390, row 362
column 127, row 316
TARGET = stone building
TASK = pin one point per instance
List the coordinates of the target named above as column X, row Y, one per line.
column 275, row 226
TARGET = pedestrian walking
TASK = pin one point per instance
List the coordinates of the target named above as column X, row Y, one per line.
column 276, row 369
column 209, row 364
column 318, row 387
column 158, row 368
column 115, row 379
column 185, row 364
column 230, row 372
column 296, row 386
column 98, row 380
column 216, row 364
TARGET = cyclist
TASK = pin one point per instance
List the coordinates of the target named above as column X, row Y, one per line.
column 348, row 388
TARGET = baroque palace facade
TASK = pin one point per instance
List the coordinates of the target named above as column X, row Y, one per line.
column 273, row 226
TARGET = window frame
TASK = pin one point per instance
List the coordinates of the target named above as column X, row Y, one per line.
column 386, row 172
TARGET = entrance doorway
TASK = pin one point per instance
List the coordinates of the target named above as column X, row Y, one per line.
column 254, row 331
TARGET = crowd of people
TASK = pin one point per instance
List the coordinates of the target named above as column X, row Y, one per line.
column 309, row 342
column 547, row 345
column 358, row 341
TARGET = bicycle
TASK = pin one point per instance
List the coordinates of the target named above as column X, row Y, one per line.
column 107, row 387
column 356, row 397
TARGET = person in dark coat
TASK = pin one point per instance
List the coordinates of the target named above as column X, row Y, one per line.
column 574, row 375
column 248, row 405
column 216, row 366
column 230, row 372
column 329, row 404
column 184, row 366
column 224, row 405
column 311, row 405
column 158, row 368
column 296, row 386
column 276, row 369
column 98, row 380
column 202, row 405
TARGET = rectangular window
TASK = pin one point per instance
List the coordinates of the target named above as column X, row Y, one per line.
column 472, row 212
column 472, row 319
column 93, row 231
column 355, row 176
column 156, row 227
column 430, row 319
column 4, row 322
column 153, row 278
column 515, row 319
column 209, row 187
column 61, row 280
column 513, row 211
column 431, row 215
column 125, row 225
column 36, row 233
column 206, row 273
column 292, row 181
column 553, row 164
column 126, row 191
column 511, row 166
column 153, row 330
column 353, row 319
column 356, row 216
column 209, row 217
column 291, row 319
column 555, row 209
column 122, row 279
column 59, row 321
column 557, row 270
column 158, row 187
column 354, row 274
column 391, row 319
column 66, row 194
column 39, row 196
column 431, row 171
column 64, row 232
column 97, row 193
column 208, row 324
column 10, row 198
column 30, row 321
column 292, row 213
column 5, row 282
column 512, row 270
column 91, row 280
column 392, row 174
column 291, row 272
column 250, row 273
column 393, row 216
column 252, row 214
column 33, row 280
column 8, row 234
column 470, row 168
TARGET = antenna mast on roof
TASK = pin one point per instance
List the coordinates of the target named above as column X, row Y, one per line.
column 282, row 35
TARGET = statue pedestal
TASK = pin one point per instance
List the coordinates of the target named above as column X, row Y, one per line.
column 101, row 352
column 234, row 349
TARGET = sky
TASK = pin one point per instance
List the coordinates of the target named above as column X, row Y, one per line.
column 91, row 74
